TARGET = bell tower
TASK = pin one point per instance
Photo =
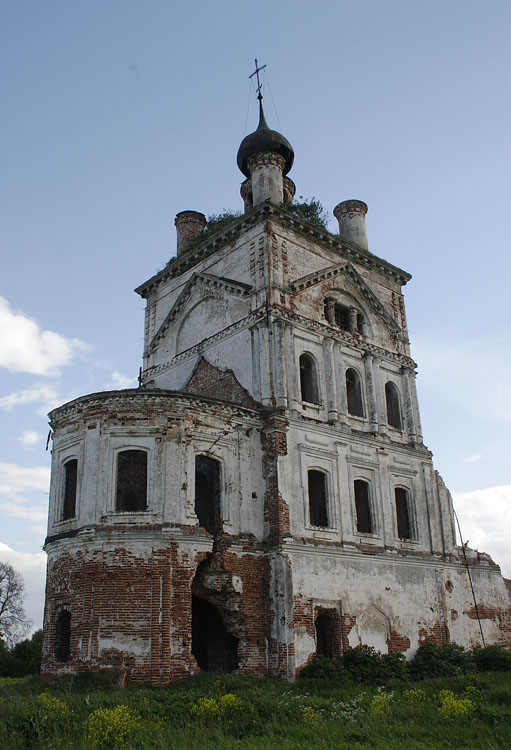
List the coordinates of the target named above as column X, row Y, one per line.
column 265, row 495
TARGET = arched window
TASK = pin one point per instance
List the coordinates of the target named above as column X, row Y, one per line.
column 131, row 481
column 392, row 401
column 354, row 393
column 318, row 498
column 207, row 493
column 403, row 514
column 363, row 507
column 63, row 636
column 70, row 479
column 309, row 379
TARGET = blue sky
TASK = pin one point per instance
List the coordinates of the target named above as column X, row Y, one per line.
column 118, row 115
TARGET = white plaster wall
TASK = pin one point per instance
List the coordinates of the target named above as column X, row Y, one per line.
column 387, row 595
column 345, row 458
column 170, row 468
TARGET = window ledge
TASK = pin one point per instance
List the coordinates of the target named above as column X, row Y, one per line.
column 322, row 529
column 126, row 515
column 413, row 542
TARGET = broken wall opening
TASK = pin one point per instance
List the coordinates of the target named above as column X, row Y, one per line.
column 213, row 647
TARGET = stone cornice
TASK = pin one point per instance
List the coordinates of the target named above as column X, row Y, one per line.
column 343, row 337
column 346, row 269
column 397, row 557
column 264, row 211
column 208, row 281
column 283, row 314
column 361, row 438
column 145, row 399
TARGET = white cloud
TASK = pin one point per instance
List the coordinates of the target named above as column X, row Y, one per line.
column 36, row 515
column 38, row 392
column 29, row 438
column 472, row 459
column 485, row 520
column 32, row 567
column 15, row 479
column 24, row 347
column 121, row 381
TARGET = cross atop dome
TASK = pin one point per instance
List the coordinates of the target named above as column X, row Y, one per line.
column 264, row 140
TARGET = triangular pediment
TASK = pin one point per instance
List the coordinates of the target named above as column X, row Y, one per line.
column 348, row 271
column 208, row 284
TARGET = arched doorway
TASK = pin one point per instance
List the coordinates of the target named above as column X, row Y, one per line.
column 214, row 649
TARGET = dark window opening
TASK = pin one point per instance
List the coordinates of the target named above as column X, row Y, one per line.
column 309, row 379
column 342, row 317
column 318, row 499
column 63, row 636
column 326, row 635
column 393, row 410
column 131, row 481
column 214, row 649
column 354, row 393
column 207, row 493
column 71, row 474
column 363, row 507
column 404, row 527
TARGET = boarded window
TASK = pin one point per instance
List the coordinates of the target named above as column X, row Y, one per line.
column 393, row 410
column 131, row 481
column 318, row 498
column 63, row 636
column 70, row 478
column 309, row 379
column 354, row 393
column 363, row 507
column 342, row 317
column 207, row 493
column 404, row 526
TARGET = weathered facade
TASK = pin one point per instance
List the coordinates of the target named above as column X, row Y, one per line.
column 265, row 493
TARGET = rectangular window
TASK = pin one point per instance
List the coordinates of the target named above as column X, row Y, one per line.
column 404, row 527
column 70, row 483
column 363, row 507
column 131, row 481
column 318, row 498
column 207, row 493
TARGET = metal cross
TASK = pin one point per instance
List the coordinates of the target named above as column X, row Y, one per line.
column 256, row 73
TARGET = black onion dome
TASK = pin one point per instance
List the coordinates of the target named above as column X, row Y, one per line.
column 264, row 139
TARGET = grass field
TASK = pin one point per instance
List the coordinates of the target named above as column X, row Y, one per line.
column 226, row 711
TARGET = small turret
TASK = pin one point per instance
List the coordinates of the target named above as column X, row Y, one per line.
column 351, row 216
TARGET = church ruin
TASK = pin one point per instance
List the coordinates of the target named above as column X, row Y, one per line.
column 265, row 494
